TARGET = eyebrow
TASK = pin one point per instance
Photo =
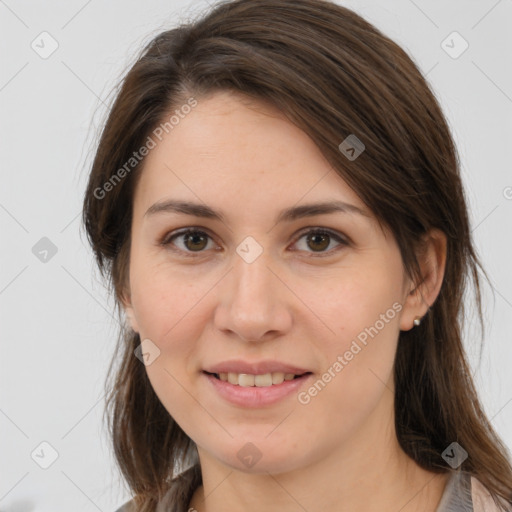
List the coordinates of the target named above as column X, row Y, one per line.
column 288, row 215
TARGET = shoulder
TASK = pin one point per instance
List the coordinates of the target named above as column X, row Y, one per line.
column 482, row 499
column 129, row 506
column 464, row 492
column 178, row 495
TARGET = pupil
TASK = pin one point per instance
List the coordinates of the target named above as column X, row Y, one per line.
column 194, row 238
column 316, row 236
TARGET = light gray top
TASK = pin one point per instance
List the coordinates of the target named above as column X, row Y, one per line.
column 457, row 494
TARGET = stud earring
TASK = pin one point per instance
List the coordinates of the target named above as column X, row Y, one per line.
column 417, row 321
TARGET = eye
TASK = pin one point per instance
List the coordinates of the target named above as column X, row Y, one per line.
column 192, row 241
column 319, row 239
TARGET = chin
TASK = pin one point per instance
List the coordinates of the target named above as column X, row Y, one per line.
column 264, row 466
column 260, row 457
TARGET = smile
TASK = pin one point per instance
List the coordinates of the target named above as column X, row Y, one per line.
column 261, row 381
column 255, row 391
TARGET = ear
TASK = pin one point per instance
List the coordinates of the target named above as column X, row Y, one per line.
column 421, row 295
column 128, row 310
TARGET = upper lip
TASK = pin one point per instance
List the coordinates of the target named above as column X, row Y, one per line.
column 256, row 368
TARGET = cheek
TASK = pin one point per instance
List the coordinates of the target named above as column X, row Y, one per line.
column 170, row 311
column 363, row 309
column 166, row 301
column 355, row 303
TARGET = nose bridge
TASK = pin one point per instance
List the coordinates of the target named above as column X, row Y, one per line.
column 253, row 281
column 253, row 303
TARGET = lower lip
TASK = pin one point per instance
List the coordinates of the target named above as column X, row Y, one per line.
column 254, row 396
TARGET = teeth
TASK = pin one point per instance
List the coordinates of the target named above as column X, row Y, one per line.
column 260, row 381
column 245, row 380
column 277, row 378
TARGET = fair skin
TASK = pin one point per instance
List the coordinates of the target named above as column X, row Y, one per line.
column 203, row 303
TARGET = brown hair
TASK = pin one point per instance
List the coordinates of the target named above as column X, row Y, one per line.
column 332, row 74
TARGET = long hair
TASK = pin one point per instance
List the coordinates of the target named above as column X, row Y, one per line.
column 332, row 74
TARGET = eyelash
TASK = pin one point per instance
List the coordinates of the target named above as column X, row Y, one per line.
column 168, row 238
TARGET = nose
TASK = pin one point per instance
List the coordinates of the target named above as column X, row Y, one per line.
column 255, row 304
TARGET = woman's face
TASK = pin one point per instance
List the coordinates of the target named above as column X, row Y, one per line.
column 256, row 292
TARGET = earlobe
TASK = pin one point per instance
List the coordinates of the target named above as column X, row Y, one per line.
column 131, row 319
column 421, row 296
column 129, row 313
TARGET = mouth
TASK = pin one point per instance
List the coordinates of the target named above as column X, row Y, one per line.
column 254, row 384
column 261, row 380
column 253, row 391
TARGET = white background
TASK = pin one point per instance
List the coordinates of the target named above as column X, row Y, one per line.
column 57, row 332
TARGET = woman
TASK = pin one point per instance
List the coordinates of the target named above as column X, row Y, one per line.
column 276, row 200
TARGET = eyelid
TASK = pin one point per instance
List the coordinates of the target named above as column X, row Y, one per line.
column 338, row 237
column 166, row 239
column 342, row 240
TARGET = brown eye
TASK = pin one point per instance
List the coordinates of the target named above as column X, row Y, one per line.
column 195, row 241
column 188, row 241
column 318, row 240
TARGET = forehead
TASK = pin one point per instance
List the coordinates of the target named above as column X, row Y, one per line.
column 232, row 151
